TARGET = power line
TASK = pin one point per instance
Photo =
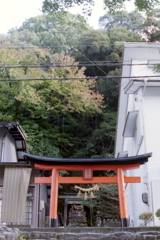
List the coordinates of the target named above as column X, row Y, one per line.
column 78, row 78
column 62, row 46
column 72, row 48
column 90, row 60
column 74, row 65
column 57, row 46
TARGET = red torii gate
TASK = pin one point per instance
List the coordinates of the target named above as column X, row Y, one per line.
column 87, row 166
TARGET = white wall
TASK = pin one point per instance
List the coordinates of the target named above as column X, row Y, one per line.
column 152, row 125
column 133, row 52
column 146, row 138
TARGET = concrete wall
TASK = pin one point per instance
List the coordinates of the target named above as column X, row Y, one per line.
column 146, row 137
column 152, row 126
column 139, row 52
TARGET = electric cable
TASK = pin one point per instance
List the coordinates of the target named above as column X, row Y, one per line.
column 65, row 46
column 73, row 65
column 79, row 78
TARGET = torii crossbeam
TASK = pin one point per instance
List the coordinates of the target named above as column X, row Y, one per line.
column 87, row 166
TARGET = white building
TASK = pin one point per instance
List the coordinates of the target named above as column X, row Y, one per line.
column 138, row 126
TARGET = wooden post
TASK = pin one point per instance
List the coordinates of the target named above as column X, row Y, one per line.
column 91, row 211
column 54, row 199
column 65, row 212
column 122, row 198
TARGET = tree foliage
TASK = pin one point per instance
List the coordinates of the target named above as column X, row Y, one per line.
column 59, row 110
column 152, row 29
column 97, row 138
column 50, row 6
column 68, row 118
column 46, row 95
column 106, row 205
column 146, row 217
column 57, row 30
column 132, row 21
column 147, row 27
column 42, row 104
column 98, row 135
column 141, row 5
column 158, row 213
column 104, row 47
column 93, row 45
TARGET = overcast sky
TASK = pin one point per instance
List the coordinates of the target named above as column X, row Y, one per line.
column 14, row 12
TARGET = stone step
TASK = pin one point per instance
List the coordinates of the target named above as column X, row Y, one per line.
column 124, row 234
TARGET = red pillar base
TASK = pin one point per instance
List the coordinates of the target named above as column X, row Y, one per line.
column 53, row 222
column 124, row 222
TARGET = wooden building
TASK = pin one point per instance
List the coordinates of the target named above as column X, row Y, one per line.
column 19, row 195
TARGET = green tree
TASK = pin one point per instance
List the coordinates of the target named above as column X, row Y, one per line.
column 107, row 204
column 98, row 136
column 147, row 27
column 152, row 26
column 71, row 110
column 39, row 106
column 110, row 87
column 45, row 95
column 146, row 217
column 120, row 34
column 93, row 45
column 102, row 49
column 57, row 30
column 133, row 21
column 158, row 213
column 60, row 5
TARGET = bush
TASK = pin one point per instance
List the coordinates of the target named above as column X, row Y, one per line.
column 158, row 213
column 146, row 217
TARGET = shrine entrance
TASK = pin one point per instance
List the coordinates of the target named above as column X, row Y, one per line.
column 87, row 166
column 78, row 215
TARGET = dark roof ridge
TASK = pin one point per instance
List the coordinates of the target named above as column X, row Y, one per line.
column 141, row 159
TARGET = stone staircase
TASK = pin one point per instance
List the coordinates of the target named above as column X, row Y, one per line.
column 92, row 233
